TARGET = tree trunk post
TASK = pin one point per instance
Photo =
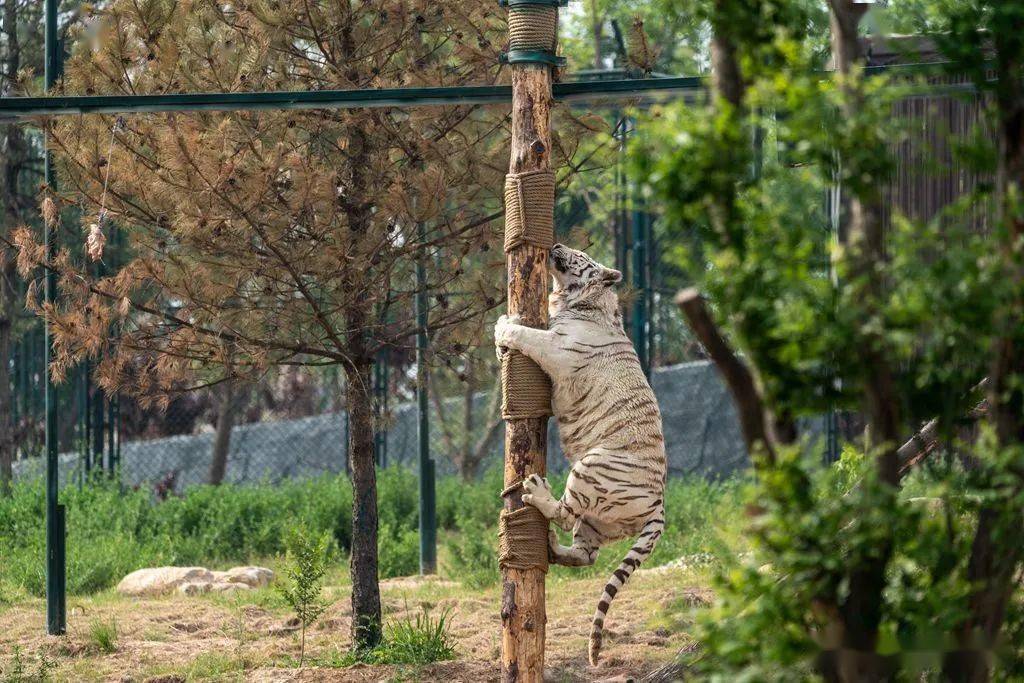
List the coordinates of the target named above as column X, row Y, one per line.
column 529, row 234
column 366, row 610
column 229, row 405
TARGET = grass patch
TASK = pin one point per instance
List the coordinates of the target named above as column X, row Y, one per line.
column 214, row 665
column 422, row 639
column 103, row 635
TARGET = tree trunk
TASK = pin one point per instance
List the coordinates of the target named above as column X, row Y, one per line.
column 597, row 32
column 726, row 78
column 523, row 614
column 861, row 611
column 366, row 612
column 230, row 403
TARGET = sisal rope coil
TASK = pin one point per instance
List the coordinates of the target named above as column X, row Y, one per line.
column 532, row 27
column 523, row 539
column 529, row 209
column 525, row 388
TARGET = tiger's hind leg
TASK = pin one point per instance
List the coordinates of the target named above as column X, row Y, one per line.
column 585, row 543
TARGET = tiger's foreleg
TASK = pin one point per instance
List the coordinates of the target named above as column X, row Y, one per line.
column 541, row 346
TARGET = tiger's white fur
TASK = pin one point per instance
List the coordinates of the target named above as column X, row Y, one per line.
column 608, row 420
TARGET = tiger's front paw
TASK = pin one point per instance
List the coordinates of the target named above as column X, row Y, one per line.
column 503, row 333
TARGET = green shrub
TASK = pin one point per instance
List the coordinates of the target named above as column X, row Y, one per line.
column 473, row 554
column 478, row 502
column 303, row 589
column 398, row 551
column 113, row 532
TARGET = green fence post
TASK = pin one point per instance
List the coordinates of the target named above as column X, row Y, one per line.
column 56, row 579
column 641, row 273
column 428, row 514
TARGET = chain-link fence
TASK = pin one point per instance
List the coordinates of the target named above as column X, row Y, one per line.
column 293, row 422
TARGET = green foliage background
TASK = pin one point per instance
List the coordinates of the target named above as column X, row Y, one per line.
column 111, row 533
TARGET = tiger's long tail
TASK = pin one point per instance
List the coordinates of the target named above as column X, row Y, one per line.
column 640, row 551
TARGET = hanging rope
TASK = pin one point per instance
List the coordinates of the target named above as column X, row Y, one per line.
column 96, row 239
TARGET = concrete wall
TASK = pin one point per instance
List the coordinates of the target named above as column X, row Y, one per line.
column 701, row 433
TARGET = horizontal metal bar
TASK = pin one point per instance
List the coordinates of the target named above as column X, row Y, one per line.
column 26, row 107
column 13, row 108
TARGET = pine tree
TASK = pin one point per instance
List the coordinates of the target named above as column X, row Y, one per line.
column 281, row 238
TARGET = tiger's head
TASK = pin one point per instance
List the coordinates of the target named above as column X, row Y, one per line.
column 582, row 283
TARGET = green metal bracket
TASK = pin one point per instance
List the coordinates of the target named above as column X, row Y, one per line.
column 543, row 3
column 531, row 57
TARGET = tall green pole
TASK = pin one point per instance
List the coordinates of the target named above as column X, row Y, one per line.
column 56, row 576
column 641, row 273
column 428, row 514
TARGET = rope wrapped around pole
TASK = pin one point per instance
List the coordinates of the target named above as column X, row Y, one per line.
column 533, row 27
column 522, row 539
column 529, row 219
column 529, row 209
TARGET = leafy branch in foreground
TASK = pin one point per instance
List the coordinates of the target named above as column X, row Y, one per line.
column 893, row 318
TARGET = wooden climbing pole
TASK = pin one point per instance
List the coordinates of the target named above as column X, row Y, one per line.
column 529, row 234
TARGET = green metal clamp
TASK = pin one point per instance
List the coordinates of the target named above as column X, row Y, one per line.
column 531, row 57
column 545, row 3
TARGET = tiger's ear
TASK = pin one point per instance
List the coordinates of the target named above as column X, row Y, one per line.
column 610, row 277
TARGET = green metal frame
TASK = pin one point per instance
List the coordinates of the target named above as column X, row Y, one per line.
column 428, row 492
column 532, row 57
column 13, row 108
column 56, row 566
column 543, row 3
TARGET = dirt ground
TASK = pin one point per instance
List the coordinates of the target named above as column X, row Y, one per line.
column 248, row 636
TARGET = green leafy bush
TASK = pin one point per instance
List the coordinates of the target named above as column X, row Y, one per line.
column 473, row 554
column 113, row 532
column 399, row 551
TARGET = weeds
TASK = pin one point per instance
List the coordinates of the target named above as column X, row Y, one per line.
column 103, row 635
column 17, row 670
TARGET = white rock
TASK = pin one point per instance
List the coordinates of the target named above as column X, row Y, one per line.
column 161, row 580
column 253, row 577
column 195, row 588
column 192, row 580
column 228, row 587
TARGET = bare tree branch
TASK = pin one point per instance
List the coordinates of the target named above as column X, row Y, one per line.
column 739, row 379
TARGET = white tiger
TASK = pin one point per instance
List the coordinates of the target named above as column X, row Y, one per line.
column 608, row 420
